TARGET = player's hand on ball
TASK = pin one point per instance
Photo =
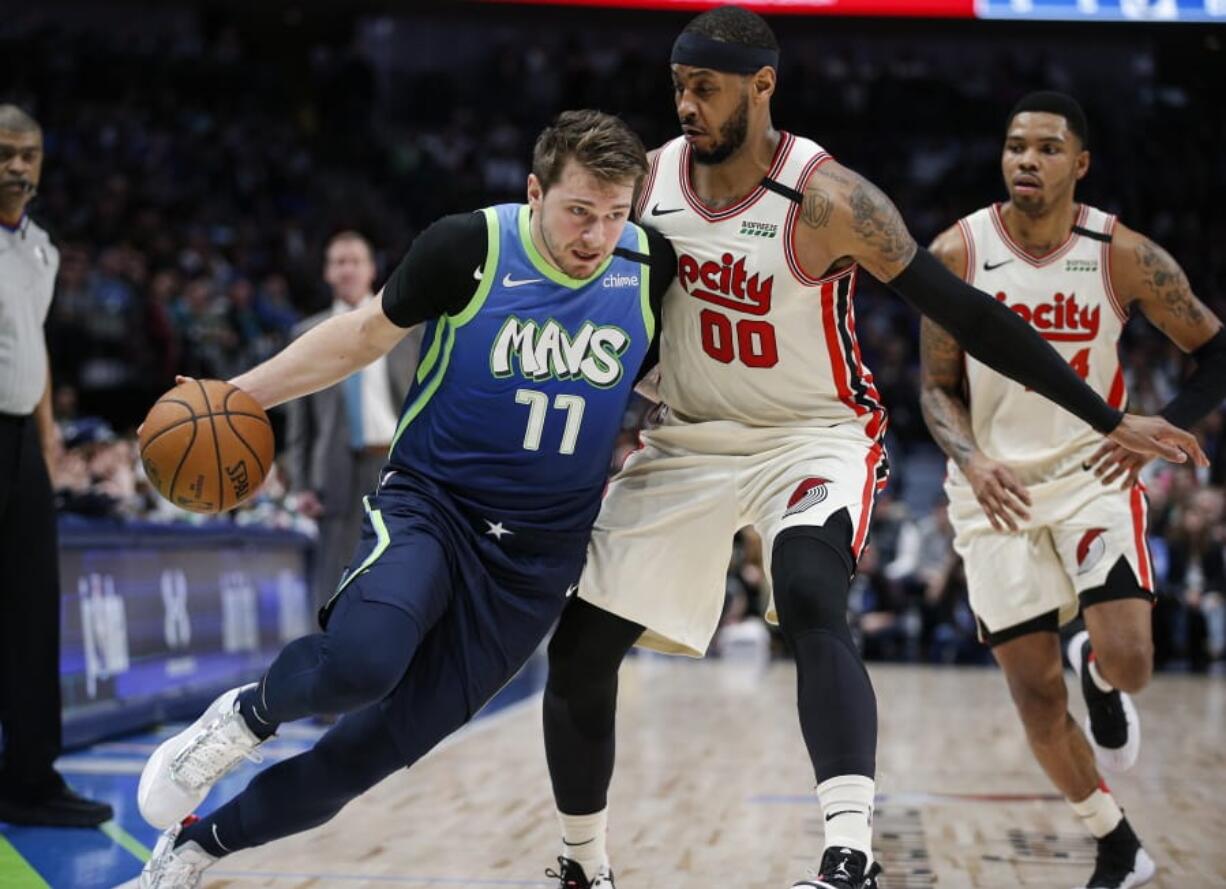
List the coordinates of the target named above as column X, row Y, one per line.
column 1112, row 461
column 1003, row 497
column 1155, row 437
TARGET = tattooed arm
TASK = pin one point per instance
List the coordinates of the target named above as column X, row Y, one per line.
column 942, row 377
column 846, row 217
column 942, row 369
column 1144, row 275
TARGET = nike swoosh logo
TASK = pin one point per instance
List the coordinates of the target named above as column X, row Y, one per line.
column 508, row 281
column 842, row 812
column 656, row 211
column 477, row 273
column 987, row 266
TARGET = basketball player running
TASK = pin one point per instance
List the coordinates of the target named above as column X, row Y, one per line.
column 539, row 319
column 1040, row 535
column 771, row 420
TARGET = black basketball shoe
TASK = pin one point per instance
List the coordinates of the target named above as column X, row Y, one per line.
column 1112, row 724
column 570, row 875
column 1121, row 862
column 843, row 868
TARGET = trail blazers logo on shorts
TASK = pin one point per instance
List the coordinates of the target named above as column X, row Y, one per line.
column 810, row 492
column 1090, row 550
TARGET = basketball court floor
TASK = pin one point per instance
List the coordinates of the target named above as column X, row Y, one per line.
column 712, row 789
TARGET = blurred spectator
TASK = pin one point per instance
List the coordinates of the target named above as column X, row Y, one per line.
column 338, row 438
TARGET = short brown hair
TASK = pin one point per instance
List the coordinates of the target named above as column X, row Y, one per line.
column 601, row 143
column 350, row 234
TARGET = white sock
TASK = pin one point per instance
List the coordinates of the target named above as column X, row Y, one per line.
column 1103, row 684
column 583, row 840
column 847, row 807
column 1099, row 812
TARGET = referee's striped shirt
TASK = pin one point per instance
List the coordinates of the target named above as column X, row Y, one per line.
column 28, row 266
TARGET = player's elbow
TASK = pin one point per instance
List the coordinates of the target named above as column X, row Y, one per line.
column 375, row 336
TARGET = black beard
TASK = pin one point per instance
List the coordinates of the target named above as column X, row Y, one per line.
column 732, row 136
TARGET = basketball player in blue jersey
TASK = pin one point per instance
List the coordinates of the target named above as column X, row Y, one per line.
column 771, row 419
column 539, row 317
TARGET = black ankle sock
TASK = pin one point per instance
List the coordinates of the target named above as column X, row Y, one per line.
column 260, row 727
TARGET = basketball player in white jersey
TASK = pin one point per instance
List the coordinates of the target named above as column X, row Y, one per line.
column 770, row 419
column 1043, row 524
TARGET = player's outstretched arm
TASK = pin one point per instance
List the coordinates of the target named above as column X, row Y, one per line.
column 856, row 220
column 1146, row 276
column 324, row 355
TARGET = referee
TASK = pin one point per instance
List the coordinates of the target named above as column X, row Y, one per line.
column 31, row 791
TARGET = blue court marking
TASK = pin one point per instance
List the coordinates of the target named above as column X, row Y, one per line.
column 110, row 771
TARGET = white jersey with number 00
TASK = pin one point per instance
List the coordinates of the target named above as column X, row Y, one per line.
column 1066, row 296
column 747, row 334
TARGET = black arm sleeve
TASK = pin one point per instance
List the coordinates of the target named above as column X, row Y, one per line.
column 1205, row 389
column 439, row 274
column 663, row 264
column 999, row 338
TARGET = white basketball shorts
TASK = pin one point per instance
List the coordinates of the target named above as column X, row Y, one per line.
column 662, row 543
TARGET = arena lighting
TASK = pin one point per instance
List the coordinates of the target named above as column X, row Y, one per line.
column 1036, row 10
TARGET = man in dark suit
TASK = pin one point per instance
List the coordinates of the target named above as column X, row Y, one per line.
column 338, row 438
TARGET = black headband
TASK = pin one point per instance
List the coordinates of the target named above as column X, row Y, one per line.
column 700, row 51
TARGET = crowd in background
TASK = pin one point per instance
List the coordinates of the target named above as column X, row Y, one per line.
column 191, row 188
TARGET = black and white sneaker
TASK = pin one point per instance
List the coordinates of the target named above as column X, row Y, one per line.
column 1112, row 724
column 570, row 875
column 1121, row 862
column 843, row 868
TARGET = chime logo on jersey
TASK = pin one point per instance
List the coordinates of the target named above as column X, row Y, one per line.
column 725, row 283
column 810, row 492
column 1061, row 320
column 547, row 351
column 1090, row 549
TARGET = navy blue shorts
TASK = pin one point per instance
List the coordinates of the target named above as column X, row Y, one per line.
column 482, row 598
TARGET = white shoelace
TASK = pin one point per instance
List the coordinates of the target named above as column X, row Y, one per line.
column 174, row 871
column 217, row 749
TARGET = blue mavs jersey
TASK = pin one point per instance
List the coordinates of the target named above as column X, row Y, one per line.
column 519, row 398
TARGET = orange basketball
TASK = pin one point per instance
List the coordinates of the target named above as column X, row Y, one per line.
column 206, row 446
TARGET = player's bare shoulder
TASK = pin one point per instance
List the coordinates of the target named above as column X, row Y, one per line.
column 950, row 248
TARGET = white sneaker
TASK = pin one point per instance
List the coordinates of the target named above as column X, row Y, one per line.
column 1112, row 724
column 171, row 868
column 179, row 775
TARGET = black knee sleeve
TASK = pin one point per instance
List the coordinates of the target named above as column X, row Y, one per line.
column 587, row 648
column 811, row 570
column 580, row 704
